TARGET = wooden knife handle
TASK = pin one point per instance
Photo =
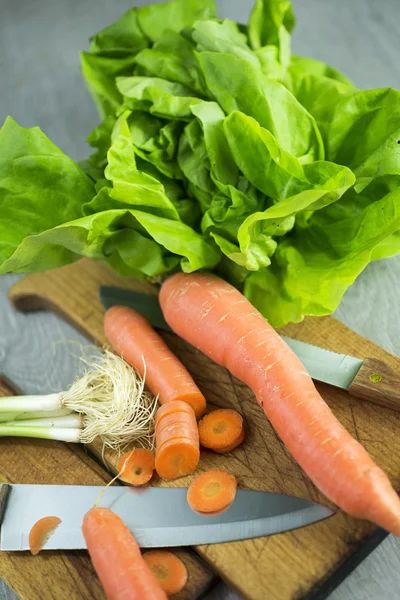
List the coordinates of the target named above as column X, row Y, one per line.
column 378, row 383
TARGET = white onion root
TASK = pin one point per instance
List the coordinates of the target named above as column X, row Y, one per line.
column 116, row 406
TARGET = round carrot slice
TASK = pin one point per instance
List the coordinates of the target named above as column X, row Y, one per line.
column 169, row 569
column 177, row 458
column 233, row 445
column 220, row 429
column 136, row 466
column 212, row 491
column 41, row 532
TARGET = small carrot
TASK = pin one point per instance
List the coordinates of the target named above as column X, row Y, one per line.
column 41, row 532
column 133, row 338
column 216, row 318
column 177, row 441
column 136, row 466
column 117, row 559
column 169, row 570
column 221, row 430
column 212, row 491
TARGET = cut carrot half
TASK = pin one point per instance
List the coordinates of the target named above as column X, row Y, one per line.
column 177, row 458
column 220, row 429
column 41, row 532
column 212, row 491
column 233, row 445
column 169, row 569
column 136, row 466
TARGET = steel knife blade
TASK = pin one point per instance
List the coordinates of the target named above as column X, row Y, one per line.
column 158, row 517
column 369, row 379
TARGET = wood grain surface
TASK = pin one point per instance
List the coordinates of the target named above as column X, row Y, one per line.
column 66, row 575
column 282, row 567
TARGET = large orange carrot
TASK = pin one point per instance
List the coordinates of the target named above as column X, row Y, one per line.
column 132, row 336
column 177, row 440
column 216, row 318
column 117, row 559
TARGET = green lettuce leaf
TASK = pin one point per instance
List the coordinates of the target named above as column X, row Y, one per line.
column 155, row 19
column 172, row 57
column 238, row 85
column 123, row 36
column 160, row 97
column 40, row 188
column 222, row 37
column 312, row 269
column 270, row 25
column 364, row 134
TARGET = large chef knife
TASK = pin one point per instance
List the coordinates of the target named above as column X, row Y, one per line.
column 369, row 379
column 156, row 516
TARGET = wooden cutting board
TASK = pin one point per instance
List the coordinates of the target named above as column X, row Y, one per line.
column 308, row 562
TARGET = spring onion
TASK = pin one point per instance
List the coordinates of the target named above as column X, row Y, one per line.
column 109, row 397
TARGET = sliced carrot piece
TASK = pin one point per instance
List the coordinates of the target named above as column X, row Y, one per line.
column 220, row 429
column 172, row 427
column 176, row 406
column 233, row 445
column 136, row 466
column 169, row 569
column 41, row 532
column 177, row 440
column 212, row 491
column 177, row 458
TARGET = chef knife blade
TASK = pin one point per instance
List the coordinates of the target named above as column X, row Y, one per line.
column 369, row 379
column 158, row 517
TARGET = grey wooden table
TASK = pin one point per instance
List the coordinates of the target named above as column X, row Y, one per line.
column 41, row 85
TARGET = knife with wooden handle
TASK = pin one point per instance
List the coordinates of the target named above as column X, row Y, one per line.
column 369, row 379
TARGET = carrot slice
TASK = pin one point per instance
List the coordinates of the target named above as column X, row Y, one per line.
column 172, row 427
column 136, row 466
column 177, row 441
column 177, row 406
column 233, row 445
column 217, row 319
column 116, row 558
column 169, row 570
column 177, row 458
column 41, row 532
column 212, row 491
column 132, row 336
column 220, row 429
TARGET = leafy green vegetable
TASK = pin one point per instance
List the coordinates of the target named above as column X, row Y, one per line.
column 40, row 189
column 220, row 150
column 155, row 19
column 312, row 269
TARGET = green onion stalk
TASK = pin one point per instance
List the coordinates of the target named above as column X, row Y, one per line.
column 109, row 401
